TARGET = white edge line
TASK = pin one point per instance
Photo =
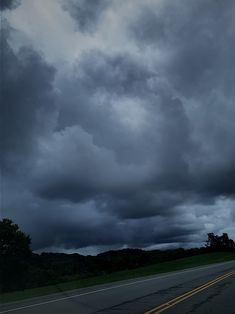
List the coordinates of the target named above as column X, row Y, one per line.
column 108, row 288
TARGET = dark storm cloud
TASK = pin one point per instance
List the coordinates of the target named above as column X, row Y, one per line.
column 118, row 73
column 200, row 49
column 9, row 4
column 87, row 14
column 101, row 75
column 201, row 52
column 219, row 182
column 77, row 226
column 73, row 226
column 145, row 203
column 110, row 232
column 128, row 148
column 27, row 103
column 127, row 156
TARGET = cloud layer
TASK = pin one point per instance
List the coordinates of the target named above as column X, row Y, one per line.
column 9, row 4
column 131, row 142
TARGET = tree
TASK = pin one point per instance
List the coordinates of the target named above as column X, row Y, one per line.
column 14, row 256
column 212, row 241
column 216, row 242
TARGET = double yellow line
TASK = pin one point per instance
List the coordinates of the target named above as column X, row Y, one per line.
column 163, row 307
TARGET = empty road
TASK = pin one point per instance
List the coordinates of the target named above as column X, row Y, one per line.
column 208, row 289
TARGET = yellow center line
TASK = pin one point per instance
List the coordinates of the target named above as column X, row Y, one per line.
column 190, row 295
column 189, row 292
column 165, row 306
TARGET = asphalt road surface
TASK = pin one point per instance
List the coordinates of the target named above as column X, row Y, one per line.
column 208, row 289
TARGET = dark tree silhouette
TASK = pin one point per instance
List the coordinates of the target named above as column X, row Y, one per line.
column 14, row 255
column 216, row 242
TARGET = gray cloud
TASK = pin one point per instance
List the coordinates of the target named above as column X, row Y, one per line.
column 127, row 155
column 130, row 148
column 198, row 49
column 28, row 106
column 199, row 69
column 73, row 226
column 9, row 4
column 87, row 14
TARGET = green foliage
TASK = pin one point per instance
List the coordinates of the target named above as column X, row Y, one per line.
column 77, row 281
column 14, row 256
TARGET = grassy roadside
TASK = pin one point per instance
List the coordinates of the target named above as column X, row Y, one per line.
column 174, row 265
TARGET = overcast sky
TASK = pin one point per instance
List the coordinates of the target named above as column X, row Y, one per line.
column 117, row 122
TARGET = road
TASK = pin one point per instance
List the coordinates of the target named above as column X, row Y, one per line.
column 208, row 289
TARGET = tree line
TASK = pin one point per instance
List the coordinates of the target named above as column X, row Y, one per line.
column 20, row 268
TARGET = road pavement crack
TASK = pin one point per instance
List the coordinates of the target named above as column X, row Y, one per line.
column 217, row 291
column 141, row 299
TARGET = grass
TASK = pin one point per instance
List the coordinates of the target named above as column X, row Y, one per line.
column 199, row 260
